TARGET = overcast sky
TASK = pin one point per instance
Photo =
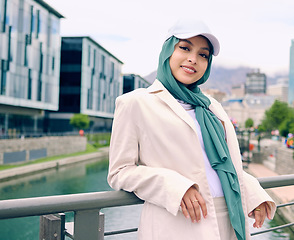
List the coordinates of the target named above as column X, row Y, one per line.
column 252, row 33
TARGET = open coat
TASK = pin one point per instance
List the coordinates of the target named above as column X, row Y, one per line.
column 155, row 153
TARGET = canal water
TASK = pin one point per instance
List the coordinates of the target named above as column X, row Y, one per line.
column 79, row 178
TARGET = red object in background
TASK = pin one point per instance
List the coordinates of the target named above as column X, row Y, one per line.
column 81, row 132
column 251, row 146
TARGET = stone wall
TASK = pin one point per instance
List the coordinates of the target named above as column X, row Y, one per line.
column 284, row 161
column 275, row 156
column 20, row 150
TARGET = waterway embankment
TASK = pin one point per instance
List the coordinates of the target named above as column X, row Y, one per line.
column 17, row 172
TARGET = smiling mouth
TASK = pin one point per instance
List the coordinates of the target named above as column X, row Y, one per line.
column 189, row 69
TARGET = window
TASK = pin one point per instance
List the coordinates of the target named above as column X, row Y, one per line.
column 38, row 24
column 5, row 18
column 29, row 93
column 41, row 59
column 32, row 20
column 3, row 77
column 102, row 67
column 39, row 89
column 9, row 55
column 53, row 63
column 112, row 72
column 89, row 55
column 94, row 59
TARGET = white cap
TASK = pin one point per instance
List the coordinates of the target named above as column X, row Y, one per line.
column 185, row 28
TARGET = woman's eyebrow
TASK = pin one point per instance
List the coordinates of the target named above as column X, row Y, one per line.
column 205, row 48
column 187, row 41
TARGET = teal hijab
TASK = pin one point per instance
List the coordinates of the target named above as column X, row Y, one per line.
column 212, row 132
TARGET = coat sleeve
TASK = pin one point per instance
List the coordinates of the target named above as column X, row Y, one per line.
column 160, row 186
column 256, row 194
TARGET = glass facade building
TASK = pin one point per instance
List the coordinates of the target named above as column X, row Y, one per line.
column 90, row 81
column 30, row 45
column 291, row 76
column 133, row 81
column 255, row 82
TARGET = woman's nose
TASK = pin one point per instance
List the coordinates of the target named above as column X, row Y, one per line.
column 192, row 59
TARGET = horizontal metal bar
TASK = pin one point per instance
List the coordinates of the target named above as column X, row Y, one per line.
column 277, row 181
column 121, row 231
column 65, row 203
column 273, row 229
column 75, row 202
column 285, row 204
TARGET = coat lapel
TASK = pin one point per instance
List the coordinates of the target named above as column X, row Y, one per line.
column 161, row 92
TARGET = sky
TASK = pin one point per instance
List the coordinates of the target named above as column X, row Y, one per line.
column 252, row 33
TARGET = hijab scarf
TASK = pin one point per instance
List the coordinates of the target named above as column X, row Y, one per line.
column 212, row 132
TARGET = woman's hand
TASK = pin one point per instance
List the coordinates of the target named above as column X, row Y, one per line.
column 192, row 204
column 262, row 211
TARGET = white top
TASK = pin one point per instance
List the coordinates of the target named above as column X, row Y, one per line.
column 212, row 177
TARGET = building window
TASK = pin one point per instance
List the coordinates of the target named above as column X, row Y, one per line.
column 29, row 84
column 94, row 59
column 5, row 17
column 9, row 55
column 3, row 77
column 32, row 21
column 102, row 73
column 39, row 89
column 41, row 59
column 112, row 72
column 53, row 63
column 89, row 55
column 38, row 24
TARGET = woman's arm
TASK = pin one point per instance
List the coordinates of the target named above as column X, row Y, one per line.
column 259, row 203
column 160, row 186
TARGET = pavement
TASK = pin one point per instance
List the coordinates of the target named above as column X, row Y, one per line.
column 285, row 194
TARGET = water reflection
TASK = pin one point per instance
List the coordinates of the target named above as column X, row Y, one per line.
column 79, row 178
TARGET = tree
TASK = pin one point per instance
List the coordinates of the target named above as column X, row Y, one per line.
column 249, row 123
column 275, row 115
column 80, row 121
column 287, row 126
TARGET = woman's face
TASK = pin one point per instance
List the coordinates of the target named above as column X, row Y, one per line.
column 189, row 60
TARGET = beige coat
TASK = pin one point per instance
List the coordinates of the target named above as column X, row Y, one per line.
column 155, row 153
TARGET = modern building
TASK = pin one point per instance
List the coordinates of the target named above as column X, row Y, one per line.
column 238, row 91
column 255, row 82
column 30, row 60
column 215, row 93
column 133, row 81
column 291, row 76
column 251, row 106
column 90, row 81
column 279, row 90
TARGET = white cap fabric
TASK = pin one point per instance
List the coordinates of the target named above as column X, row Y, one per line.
column 187, row 28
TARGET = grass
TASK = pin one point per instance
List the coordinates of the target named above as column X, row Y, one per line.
column 89, row 149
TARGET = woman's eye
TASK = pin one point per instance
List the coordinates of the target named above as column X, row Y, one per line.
column 203, row 55
column 184, row 48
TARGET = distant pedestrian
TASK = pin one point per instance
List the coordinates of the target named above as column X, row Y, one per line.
column 176, row 148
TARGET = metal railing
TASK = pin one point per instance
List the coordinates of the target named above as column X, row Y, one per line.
column 88, row 221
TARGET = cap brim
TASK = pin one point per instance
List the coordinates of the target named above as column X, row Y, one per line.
column 213, row 40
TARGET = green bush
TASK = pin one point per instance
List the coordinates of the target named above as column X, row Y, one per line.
column 249, row 123
column 80, row 121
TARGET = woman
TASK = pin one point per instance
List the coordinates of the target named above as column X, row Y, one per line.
column 176, row 149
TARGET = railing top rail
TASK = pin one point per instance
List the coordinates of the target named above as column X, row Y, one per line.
column 277, row 181
column 97, row 200
column 65, row 203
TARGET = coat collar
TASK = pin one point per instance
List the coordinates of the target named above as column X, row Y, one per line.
column 159, row 90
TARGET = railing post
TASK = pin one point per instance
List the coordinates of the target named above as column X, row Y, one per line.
column 88, row 225
column 50, row 227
